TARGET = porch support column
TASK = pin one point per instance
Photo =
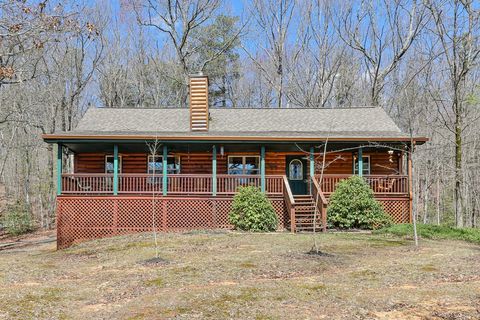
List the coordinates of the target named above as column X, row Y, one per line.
column 115, row 169
column 214, row 171
column 164, row 170
column 59, row 168
column 312, row 167
column 262, row 168
column 360, row 162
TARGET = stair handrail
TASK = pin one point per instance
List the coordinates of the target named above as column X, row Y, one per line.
column 321, row 202
column 289, row 202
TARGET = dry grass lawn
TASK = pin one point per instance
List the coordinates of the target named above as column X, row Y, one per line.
column 243, row 276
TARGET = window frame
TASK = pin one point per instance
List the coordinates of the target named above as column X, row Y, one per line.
column 177, row 162
column 355, row 164
column 243, row 164
column 120, row 163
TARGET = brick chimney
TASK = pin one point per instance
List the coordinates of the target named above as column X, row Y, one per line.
column 198, row 86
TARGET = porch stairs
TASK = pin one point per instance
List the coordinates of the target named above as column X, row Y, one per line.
column 305, row 213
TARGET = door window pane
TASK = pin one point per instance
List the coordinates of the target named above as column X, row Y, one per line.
column 295, row 171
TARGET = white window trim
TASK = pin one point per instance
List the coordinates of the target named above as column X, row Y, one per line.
column 290, row 172
column 243, row 162
column 355, row 159
column 119, row 162
column 177, row 160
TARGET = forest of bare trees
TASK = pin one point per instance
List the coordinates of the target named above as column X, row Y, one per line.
column 417, row 59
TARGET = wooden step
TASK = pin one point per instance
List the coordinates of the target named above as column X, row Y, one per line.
column 305, row 214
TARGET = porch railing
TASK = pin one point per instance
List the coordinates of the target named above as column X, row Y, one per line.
column 321, row 204
column 289, row 203
column 87, row 183
column 380, row 184
column 177, row 184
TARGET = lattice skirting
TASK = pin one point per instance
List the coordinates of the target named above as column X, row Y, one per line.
column 86, row 218
column 397, row 208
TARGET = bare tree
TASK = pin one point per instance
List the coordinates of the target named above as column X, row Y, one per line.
column 316, row 61
column 25, row 31
column 274, row 20
column 178, row 20
column 456, row 30
column 381, row 32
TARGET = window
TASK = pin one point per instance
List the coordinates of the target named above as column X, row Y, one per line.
column 155, row 164
column 295, row 170
column 109, row 164
column 243, row 165
column 366, row 165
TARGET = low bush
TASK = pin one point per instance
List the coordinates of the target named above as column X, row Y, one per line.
column 428, row 231
column 252, row 211
column 17, row 219
column 353, row 205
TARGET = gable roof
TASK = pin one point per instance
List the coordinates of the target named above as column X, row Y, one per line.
column 295, row 123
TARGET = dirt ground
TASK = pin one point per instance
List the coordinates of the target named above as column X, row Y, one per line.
column 242, row 276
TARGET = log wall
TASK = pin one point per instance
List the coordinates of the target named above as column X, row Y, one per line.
column 201, row 163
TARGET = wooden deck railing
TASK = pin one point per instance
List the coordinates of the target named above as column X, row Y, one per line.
column 321, row 203
column 189, row 184
column 133, row 183
column 177, row 184
column 380, row 184
column 289, row 202
column 87, row 183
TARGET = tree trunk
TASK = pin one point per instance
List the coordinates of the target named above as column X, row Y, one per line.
column 425, row 199
column 458, row 168
column 438, row 198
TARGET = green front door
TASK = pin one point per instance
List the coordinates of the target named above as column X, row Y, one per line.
column 297, row 174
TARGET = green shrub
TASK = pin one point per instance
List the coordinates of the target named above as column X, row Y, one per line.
column 17, row 219
column 252, row 211
column 353, row 205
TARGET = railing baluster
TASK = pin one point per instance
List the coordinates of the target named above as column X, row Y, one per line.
column 94, row 183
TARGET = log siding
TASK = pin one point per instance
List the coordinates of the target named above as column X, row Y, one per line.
column 201, row 162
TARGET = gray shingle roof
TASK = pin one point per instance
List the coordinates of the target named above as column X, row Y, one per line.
column 340, row 123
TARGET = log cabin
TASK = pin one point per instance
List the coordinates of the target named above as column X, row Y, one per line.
column 134, row 170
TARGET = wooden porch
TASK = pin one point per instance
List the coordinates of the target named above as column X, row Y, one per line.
column 295, row 212
column 109, row 190
column 87, row 207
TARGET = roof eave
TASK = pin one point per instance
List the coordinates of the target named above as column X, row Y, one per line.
column 53, row 138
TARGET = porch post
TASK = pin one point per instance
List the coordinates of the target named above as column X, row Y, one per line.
column 214, row 171
column 312, row 167
column 164, row 171
column 59, row 168
column 360, row 162
column 262, row 168
column 115, row 169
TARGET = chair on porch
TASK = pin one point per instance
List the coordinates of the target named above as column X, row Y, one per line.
column 385, row 185
column 80, row 185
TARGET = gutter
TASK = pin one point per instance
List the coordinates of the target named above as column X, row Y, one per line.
column 54, row 138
